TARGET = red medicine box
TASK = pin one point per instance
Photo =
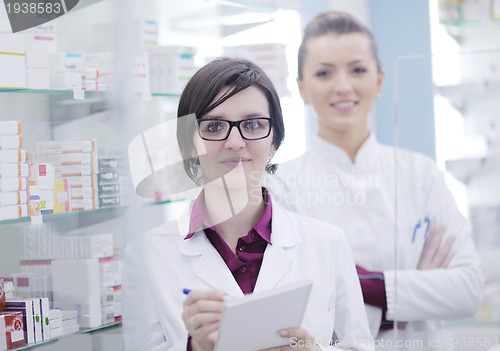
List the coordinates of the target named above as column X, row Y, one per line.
column 11, row 330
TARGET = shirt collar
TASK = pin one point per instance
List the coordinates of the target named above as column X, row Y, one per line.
column 366, row 156
column 199, row 218
column 263, row 225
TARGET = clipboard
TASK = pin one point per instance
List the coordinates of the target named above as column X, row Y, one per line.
column 251, row 323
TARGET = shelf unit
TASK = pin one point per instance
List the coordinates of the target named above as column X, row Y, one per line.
column 81, row 331
column 85, row 218
column 466, row 169
column 49, row 114
column 82, row 217
column 468, row 137
column 48, row 91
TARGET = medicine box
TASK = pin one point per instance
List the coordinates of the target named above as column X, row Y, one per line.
column 76, row 285
column 11, row 330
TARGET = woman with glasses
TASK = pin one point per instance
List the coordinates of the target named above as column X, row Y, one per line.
column 236, row 241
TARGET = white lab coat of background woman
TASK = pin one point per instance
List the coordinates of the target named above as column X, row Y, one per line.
column 385, row 223
column 161, row 263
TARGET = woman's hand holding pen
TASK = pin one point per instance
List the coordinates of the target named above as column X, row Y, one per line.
column 434, row 255
column 300, row 339
column 201, row 315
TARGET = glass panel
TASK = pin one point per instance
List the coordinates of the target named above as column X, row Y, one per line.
column 66, row 224
column 453, row 190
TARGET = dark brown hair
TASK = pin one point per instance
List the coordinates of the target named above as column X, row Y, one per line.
column 199, row 95
column 339, row 23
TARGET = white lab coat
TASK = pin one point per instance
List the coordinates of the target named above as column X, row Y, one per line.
column 160, row 263
column 379, row 217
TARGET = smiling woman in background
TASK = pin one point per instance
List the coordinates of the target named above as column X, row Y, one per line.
column 386, row 200
column 236, row 240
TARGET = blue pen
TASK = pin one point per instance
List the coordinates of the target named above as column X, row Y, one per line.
column 186, row 291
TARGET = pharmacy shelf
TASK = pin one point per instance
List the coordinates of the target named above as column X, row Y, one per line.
column 49, row 91
column 464, row 169
column 64, row 109
column 84, row 218
column 478, row 88
column 165, row 202
column 263, row 4
column 227, row 17
column 487, row 23
column 100, row 328
column 458, row 29
column 166, row 95
column 459, row 94
column 473, row 323
column 81, row 331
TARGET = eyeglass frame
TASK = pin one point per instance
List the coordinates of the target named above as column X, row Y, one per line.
column 237, row 125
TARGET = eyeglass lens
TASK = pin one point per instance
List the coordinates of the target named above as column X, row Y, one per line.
column 250, row 129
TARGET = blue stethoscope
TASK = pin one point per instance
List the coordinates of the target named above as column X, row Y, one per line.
column 427, row 223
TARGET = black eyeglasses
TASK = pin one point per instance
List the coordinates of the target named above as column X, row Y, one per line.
column 216, row 129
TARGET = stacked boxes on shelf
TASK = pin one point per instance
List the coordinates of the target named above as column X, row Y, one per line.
column 85, row 284
column 82, row 270
column 112, row 181
column 485, row 222
column 21, row 320
column 55, row 322
column 111, row 289
column 41, row 184
column 139, row 73
column 14, row 172
column 37, row 250
column 11, row 326
column 28, row 285
column 105, row 63
column 171, row 67
column 69, row 321
column 97, row 71
column 468, row 11
column 63, row 322
column 30, row 60
column 141, row 34
column 65, row 247
column 24, row 56
column 12, row 61
column 84, row 277
column 80, row 71
column 270, row 57
column 75, row 163
column 35, row 312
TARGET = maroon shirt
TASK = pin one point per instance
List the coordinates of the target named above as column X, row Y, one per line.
column 245, row 264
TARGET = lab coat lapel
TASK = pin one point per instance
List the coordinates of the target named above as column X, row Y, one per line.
column 279, row 256
column 208, row 265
